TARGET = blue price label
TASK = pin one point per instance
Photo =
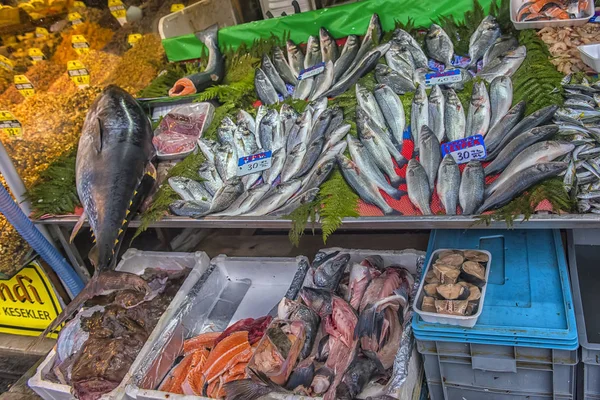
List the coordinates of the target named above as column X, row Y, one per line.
column 465, row 150
column 442, row 78
column 254, row 163
column 312, row 71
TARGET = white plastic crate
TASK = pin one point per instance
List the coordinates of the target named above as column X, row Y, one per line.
column 515, row 5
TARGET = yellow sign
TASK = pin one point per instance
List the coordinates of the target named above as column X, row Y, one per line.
column 24, row 86
column 6, row 63
column 28, row 302
column 79, row 4
column 78, row 73
column 80, row 44
column 75, row 18
column 133, row 38
column 35, row 54
column 41, row 32
column 177, row 7
column 10, row 125
column 117, row 9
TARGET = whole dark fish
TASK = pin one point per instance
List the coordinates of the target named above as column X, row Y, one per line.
column 357, row 375
column 496, row 133
column 264, row 88
column 271, row 72
column 520, row 182
column 319, row 300
column 349, row 51
column 483, row 38
column 328, row 274
column 282, row 66
column 214, row 71
column 397, row 82
column 472, row 187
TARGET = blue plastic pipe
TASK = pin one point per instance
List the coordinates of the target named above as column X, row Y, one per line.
column 39, row 243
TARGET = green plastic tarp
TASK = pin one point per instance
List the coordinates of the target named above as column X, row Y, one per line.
column 341, row 21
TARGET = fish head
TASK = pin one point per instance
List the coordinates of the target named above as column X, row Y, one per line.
column 420, row 94
column 489, row 23
column 346, row 163
column 318, row 299
column 278, row 53
column 312, row 45
column 325, row 37
column 448, row 162
column 436, row 96
column 351, row 40
column 434, row 31
column 413, row 166
column 374, row 29
column 382, row 69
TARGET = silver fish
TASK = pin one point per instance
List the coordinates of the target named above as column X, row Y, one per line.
column 245, row 141
column 207, row 147
column 295, row 58
column 282, row 67
column 455, row 120
column 227, row 194
column 333, row 151
column 366, row 101
column 537, row 153
column 520, row 182
column 288, row 118
column 501, row 128
column 245, row 119
column 226, row 131
column 276, row 197
column 439, row 45
column 313, row 151
column 365, row 65
column 249, row 180
column 189, row 189
column 260, row 113
column 419, row 57
column 478, row 118
column 266, row 129
column 430, row 154
column 418, row 186
column 362, row 157
column 506, row 64
column 472, row 186
column 329, row 48
column 398, row 83
column 269, row 69
column 501, row 96
column 483, row 38
column 400, row 59
column 337, row 119
column 392, row 110
column 448, row 184
column 317, row 175
column 437, row 113
column 370, row 40
column 323, row 82
column 362, row 185
column 210, row 176
column 255, row 195
column 264, row 88
column 419, row 114
column 379, row 154
column 304, row 88
column 317, row 107
column 502, row 45
column 194, row 209
column 293, row 161
column 365, row 123
column 277, row 162
column 301, row 130
column 313, row 52
column 226, row 161
column 295, row 202
column 347, row 57
column 320, row 125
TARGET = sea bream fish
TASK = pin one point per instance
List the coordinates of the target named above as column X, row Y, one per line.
column 483, row 38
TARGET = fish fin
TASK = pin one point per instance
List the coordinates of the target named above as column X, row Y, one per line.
column 97, row 135
column 245, row 389
column 398, row 194
column 205, row 35
column 373, row 356
column 370, row 323
column 93, row 256
column 78, row 226
column 396, row 181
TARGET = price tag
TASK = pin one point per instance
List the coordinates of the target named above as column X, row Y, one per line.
column 80, row 44
column 24, row 86
column 443, row 78
column 35, row 54
column 75, row 18
column 312, row 71
column 117, row 9
column 133, row 38
column 79, row 4
column 78, row 73
column 254, row 163
column 9, row 124
column 41, row 32
column 177, row 7
column 6, row 63
column 465, row 150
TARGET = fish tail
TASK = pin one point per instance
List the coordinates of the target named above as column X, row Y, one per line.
column 207, row 34
column 370, row 323
column 245, row 389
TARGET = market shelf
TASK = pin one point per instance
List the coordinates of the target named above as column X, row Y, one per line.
column 545, row 221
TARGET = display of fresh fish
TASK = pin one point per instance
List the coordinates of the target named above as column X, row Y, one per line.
column 347, row 57
column 317, row 107
column 260, row 113
column 295, row 58
column 478, row 117
column 323, row 81
column 439, row 45
column 264, row 88
column 537, row 153
column 501, row 46
column 277, row 162
column 189, row 189
column 362, row 185
column 518, row 144
column 288, row 118
column 366, row 64
column 207, row 147
column 402, row 37
column 366, row 100
column 506, row 64
column 329, row 48
column 397, row 82
column 455, row 120
column 304, row 88
column 271, row 72
column 276, row 197
column 430, row 154
column 501, row 95
column 318, row 174
column 418, row 186
column 245, row 202
column 366, row 126
column 483, row 38
column 313, row 151
column 448, row 184
column 283, row 68
column 437, row 113
column 419, row 114
column 210, row 177
column 520, row 182
column 400, row 59
column 393, row 111
column 293, row 161
column 497, row 132
column 226, row 131
column 472, row 186
column 313, row 52
column 226, row 161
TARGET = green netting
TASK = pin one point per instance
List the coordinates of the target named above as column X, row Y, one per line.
column 340, row 21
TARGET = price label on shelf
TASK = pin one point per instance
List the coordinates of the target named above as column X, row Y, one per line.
column 78, row 73
column 6, row 63
column 254, row 163
column 464, row 150
column 443, row 78
column 9, row 124
column 80, row 44
column 24, row 86
column 79, row 4
column 41, row 32
column 177, row 7
column 75, row 18
column 35, row 54
column 117, row 9
column 133, row 38
column 312, row 71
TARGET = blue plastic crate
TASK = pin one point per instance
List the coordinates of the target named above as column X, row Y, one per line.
column 528, row 293
column 572, row 345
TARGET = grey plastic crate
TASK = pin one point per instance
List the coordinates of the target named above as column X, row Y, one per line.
column 494, row 372
column 583, row 249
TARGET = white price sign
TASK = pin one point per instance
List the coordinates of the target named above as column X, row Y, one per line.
column 443, row 78
column 254, row 163
column 465, row 150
